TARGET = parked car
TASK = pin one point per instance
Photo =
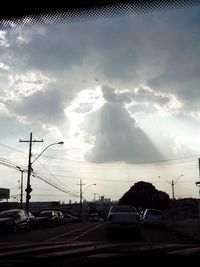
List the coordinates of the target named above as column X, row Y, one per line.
column 70, row 218
column 47, row 218
column 14, row 220
column 153, row 217
column 123, row 219
column 61, row 218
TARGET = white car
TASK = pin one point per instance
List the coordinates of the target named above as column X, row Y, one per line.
column 123, row 219
column 152, row 217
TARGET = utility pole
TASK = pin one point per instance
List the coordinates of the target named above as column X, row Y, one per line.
column 198, row 184
column 81, row 198
column 21, row 199
column 172, row 183
column 28, row 188
column 173, row 189
column 173, row 202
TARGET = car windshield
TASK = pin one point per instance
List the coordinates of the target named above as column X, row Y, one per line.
column 7, row 214
column 99, row 118
column 123, row 209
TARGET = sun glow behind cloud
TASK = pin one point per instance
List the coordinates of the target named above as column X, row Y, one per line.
column 86, row 102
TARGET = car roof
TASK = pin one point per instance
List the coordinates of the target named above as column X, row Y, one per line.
column 11, row 210
column 153, row 210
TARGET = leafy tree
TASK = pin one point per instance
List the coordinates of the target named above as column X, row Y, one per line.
column 145, row 195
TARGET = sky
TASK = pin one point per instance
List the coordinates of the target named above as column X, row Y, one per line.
column 123, row 95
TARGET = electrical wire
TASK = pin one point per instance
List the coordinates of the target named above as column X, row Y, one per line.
column 55, row 186
column 9, row 164
column 72, row 191
column 116, row 165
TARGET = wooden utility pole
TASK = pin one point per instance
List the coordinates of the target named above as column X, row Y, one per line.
column 81, row 198
column 28, row 188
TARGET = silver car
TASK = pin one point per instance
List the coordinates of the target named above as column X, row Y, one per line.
column 153, row 217
column 123, row 219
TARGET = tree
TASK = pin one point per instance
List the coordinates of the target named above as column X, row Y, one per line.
column 145, row 195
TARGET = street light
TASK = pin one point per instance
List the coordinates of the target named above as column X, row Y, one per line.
column 58, row 143
column 88, row 187
column 172, row 183
column 29, row 189
column 81, row 195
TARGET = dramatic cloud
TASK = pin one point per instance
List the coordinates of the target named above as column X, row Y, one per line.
column 45, row 107
column 126, row 53
column 164, row 103
column 116, row 136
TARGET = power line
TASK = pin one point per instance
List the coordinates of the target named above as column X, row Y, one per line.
column 46, row 195
column 55, row 186
column 111, row 180
column 72, row 191
column 14, row 149
column 9, row 164
column 118, row 164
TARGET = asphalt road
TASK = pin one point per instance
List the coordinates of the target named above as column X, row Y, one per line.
column 87, row 232
column 80, row 244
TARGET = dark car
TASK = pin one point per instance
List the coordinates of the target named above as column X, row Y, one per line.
column 14, row 220
column 47, row 218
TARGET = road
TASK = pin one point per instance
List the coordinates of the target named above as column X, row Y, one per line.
column 87, row 232
column 73, row 244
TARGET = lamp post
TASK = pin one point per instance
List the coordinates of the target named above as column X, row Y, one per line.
column 172, row 183
column 58, row 143
column 29, row 189
column 81, row 196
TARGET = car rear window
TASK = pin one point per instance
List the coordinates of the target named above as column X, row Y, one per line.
column 123, row 209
